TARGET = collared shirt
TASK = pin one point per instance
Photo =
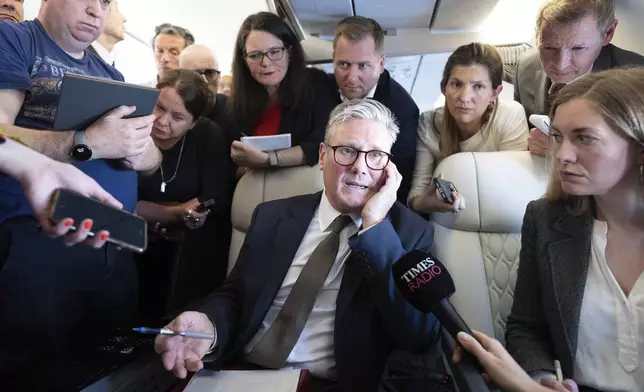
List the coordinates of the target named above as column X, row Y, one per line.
column 370, row 94
column 101, row 51
column 610, row 349
column 315, row 348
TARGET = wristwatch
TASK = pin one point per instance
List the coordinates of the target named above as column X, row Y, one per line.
column 272, row 159
column 81, row 151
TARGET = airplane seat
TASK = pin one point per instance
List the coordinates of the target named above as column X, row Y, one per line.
column 480, row 244
column 257, row 186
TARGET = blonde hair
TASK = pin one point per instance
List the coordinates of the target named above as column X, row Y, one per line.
column 618, row 96
column 474, row 53
column 566, row 12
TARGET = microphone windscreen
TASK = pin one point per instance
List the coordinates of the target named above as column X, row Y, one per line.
column 422, row 280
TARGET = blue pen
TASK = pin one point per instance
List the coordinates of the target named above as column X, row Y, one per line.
column 166, row 331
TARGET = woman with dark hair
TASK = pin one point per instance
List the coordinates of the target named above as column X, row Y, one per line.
column 194, row 170
column 473, row 119
column 273, row 92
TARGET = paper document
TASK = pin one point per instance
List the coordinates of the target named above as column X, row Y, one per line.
column 244, row 381
column 268, row 143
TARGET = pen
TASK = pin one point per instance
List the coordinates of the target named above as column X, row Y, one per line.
column 166, row 331
column 558, row 370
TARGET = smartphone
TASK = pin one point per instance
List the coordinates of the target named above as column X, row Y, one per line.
column 126, row 230
column 445, row 188
column 202, row 207
column 542, row 122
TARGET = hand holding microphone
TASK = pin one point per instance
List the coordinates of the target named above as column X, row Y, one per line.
column 427, row 286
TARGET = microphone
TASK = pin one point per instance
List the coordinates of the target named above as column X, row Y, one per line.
column 427, row 286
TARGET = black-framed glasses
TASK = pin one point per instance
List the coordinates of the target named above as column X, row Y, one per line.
column 273, row 54
column 208, row 73
column 347, row 156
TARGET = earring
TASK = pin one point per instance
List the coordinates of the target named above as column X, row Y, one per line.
column 642, row 175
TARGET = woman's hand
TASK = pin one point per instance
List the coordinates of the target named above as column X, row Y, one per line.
column 246, row 155
column 194, row 220
column 432, row 202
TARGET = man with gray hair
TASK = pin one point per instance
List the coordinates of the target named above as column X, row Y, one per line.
column 312, row 287
column 169, row 40
column 573, row 39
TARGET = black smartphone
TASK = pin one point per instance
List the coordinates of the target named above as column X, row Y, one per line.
column 445, row 188
column 202, row 207
column 126, row 230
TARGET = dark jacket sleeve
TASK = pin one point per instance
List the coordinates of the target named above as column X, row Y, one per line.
column 380, row 246
column 527, row 335
column 213, row 166
column 405, row 154
column 224, row 306
column 321, row 107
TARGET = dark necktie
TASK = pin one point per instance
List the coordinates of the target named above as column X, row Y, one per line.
column 274, row 347
column 552, row 94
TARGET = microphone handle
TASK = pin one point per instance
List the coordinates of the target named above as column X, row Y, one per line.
column 454, row 323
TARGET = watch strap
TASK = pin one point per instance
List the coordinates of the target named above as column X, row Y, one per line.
column 272, row 159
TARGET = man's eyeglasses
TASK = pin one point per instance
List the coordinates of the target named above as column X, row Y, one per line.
column 273, row 54
column 347, row 156
column 208, row 73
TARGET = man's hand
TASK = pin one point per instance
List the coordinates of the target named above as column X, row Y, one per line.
column 377, row 207
column 115, row 137
column 248, row 156
column 179, row 354
column 42, row 177
column 538, row 142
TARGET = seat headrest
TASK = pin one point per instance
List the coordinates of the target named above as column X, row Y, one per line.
column 258, row 186
column 497, row 186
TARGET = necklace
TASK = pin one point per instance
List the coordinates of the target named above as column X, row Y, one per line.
column 164, row 183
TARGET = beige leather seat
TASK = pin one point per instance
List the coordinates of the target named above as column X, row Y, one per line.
column 480, row 245
column 258, row 186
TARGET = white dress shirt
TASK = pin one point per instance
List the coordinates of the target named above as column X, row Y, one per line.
column 315, row 348
column 105, row 55
column 610, row 349
column 507, row 130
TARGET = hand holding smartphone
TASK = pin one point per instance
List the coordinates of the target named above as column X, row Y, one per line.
column 445, row 189
column 126, row 230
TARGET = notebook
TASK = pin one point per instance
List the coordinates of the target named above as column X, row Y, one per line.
column 85, row 99
column 285, row 380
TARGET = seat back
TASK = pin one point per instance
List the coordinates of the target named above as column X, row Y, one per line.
column 480, row 244
column 258, row 186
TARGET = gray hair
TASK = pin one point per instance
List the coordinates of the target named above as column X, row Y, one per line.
column 170, row 29
column 362, row 109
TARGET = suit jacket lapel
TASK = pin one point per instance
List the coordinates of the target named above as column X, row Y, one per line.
column 569, row 258
column 289, row 234
column 541, row 91
column 350, row 282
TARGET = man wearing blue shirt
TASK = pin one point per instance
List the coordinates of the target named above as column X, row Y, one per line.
column 51, row 294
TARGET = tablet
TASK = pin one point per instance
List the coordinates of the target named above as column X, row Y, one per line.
column 85, row 99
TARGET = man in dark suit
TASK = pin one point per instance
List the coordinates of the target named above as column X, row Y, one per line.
column 573, row 39
column 355, row 315
column 359, row 72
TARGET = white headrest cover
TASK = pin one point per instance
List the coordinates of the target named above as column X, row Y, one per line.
column 496, row 186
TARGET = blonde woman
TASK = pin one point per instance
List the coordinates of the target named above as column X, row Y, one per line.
column 473, row 119
column 579, row 295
